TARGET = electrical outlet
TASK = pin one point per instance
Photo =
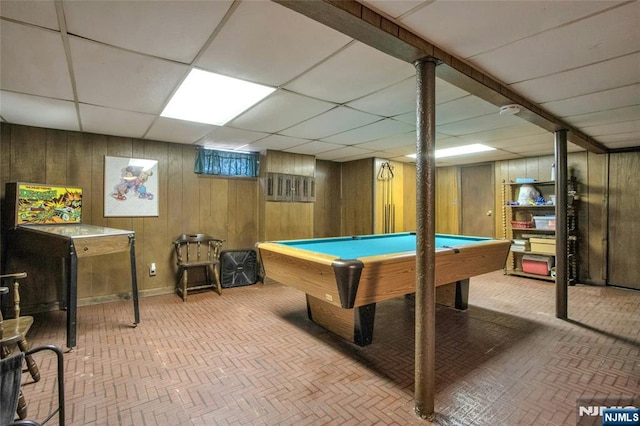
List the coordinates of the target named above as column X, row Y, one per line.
column 152, row 270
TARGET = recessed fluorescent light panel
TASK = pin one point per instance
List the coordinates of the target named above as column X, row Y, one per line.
column 209, row 98
column 459, row 150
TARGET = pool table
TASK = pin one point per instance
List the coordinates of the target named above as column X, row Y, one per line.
column 344, row 277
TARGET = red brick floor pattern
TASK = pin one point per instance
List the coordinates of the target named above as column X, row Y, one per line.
column 251, row 357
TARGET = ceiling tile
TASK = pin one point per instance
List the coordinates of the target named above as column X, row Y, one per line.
column 455, row 25
column 33, row 62
column 481, row 157
column 446, row 92
column 353, row 72
column 267, row 43
column 582, row 80
column 282, row 109
column 541, row 147
column 615, row 128
column 111, row 77
column 631, row 143
column 368, row 154
column 377, row 130
column 464, row 108
column 400, row 98
column 544, row 150
column 393, row 8
column 516, row 144
column 229, row 138
column 37, row 111
column 609, row 116
column 276, row 143
column 174, row 30
column 609, row 99
column 314, row 148
column 547, row 53
column 477, row 124
column 490, row 137
column 403, row 159
column 337, row 120
column 579, row 59
column 400, row 150
column 110, row 121
column 620, row 137
column 345, row 154
column 181, row 131
column 409, row 118
column 393, row 100
column 40, row 13
column 407, row 143
column 391, row 142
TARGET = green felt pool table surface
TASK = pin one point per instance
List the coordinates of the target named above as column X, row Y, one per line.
column 373, row 245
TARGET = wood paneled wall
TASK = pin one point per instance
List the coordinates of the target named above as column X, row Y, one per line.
column 447, row 200
column 326, row 215
column 285, row 220
column 286, row 162
column 357, row 197
column 409, row 198
column 235, row 210
column 624, row 225
column 393, row 191
column 591, row 173
column 362, row 197
column 359, row 188
column 225, row 208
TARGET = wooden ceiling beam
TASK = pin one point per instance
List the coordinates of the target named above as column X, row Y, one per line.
column 369, row 27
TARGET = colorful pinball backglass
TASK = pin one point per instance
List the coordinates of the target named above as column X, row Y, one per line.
column 39, row 204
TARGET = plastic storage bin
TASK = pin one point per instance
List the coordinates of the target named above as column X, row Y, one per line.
column 539, row 265
column 545, row 222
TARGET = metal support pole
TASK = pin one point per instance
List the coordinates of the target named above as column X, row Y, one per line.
column 561, row 223
column 425, row 351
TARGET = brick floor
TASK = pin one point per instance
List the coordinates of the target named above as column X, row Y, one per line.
column 251, row 357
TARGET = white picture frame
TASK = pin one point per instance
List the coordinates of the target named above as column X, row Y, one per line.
column 130, row 187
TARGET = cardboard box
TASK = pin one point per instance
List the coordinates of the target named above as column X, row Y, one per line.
column 539, row 265
column 543, row 245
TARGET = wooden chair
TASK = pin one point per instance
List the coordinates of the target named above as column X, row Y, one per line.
column 13, row 332
column 10, row 387
column 197, row 251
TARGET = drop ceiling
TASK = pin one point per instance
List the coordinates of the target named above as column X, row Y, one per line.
column 110, row 67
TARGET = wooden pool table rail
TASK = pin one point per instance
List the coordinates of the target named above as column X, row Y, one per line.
column 381, row 277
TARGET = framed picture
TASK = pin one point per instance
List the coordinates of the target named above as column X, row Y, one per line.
column 130, row 187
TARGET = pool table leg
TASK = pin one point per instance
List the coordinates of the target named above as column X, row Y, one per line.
column 363, row 324
column 454, row 295
column 355, row 325
column 462, row 294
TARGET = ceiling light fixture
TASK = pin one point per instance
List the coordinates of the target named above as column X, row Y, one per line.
column 512, row 109
column 209, row 98
column 460, row 150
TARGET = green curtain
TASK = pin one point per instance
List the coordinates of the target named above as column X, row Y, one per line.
column 226, row 163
